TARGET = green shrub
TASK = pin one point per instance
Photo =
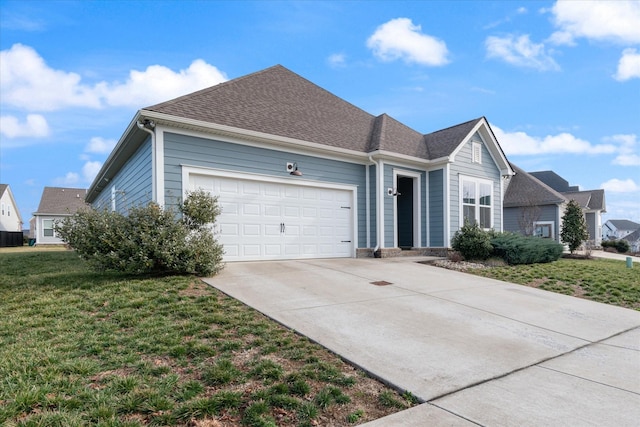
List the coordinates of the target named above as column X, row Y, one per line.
column 148, row 239
column 518, row 249
column 574, row 226
column 621, row 245
column 472, row 242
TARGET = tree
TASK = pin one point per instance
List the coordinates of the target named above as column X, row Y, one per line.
column 574, row 226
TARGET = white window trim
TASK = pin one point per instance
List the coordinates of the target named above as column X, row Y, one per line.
column 551, row 223
column 476, row 180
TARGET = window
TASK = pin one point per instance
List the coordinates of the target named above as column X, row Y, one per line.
column 476, row 155
column 47, row 228
column 8, row 210
column 543, row 229
column 3, row 209
column 476, row 202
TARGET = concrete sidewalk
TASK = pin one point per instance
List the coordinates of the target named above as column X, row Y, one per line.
column 476, row 350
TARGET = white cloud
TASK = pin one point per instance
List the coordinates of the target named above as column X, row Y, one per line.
column 629, row 65
column 627, row 149
column 337, row 60
column 619, row 186
column 90, row 170
column 615, row 21
column 520, row 51
column 401, row 39
column 519, row 143
column 86, row 176
column 99, row 145
column 27, row 82
column 35, row 126
column 71, row 178
column 158, row 83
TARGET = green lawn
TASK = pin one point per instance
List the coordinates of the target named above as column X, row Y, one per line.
column 602, row 280
column 82, row 348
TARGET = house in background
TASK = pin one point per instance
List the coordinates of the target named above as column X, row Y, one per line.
column 302, row 173
column 592, row 202
column 535, row 203
column 531, row 207
column 10, row 219
column 56, row 203
column 615, row 229
column 634, row 241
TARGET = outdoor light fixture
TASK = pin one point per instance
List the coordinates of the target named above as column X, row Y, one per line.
column 292, row 168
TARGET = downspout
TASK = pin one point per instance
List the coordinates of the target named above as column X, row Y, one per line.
column 378, row 205
column 148, row 126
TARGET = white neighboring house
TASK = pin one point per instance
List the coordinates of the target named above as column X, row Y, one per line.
column 10, row 219
column 615, row 229
column 56, row 204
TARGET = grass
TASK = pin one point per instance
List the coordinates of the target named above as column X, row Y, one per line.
column 603, row 280
column 83, row 348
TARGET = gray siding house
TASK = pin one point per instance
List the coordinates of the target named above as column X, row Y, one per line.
column 56, row 203
column 535, row 203
column 301, row 173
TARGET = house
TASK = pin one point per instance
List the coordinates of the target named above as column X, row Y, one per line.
column 535, row 203
column 634, row 241
column 56, row 203
column 531, row 207
column 615, row 229
column 302, row 173
column 10, row 219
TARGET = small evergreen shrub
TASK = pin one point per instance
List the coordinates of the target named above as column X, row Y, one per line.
column 148, row 239
column 574, row 226
column 621, row 245
column 518, row 249
column 472, row 242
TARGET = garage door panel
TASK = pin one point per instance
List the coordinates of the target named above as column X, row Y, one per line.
column 269, row 220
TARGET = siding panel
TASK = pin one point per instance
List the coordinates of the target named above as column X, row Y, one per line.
column 133, row 183
column 436, row 208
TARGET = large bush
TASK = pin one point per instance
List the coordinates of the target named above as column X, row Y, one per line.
column 621, row 245
column 472, row 242
column 518, row 249
column 148, row 239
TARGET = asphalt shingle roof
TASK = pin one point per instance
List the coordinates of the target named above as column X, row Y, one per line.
column 3, row 187
column 527, row 190
column 589, row 199
column 554, row 181
column 61, row 201
column 624, row 224
column 279, row 102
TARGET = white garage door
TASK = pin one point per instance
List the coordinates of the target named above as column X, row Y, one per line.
column 264, row 220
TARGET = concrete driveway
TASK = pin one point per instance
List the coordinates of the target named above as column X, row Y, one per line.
column 477, row 351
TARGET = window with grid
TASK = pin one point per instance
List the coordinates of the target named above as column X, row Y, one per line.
column 477, row 202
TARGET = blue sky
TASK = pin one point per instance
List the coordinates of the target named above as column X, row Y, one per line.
column 558, row 81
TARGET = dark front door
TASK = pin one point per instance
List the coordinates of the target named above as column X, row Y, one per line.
column 405, row 212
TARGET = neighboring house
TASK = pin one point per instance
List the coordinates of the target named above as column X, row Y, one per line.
column 535, row 203
column 531, row 207
column 615, row 229
column 56, row 204
column 634, row 241
column 10, row 219
column 301, row 173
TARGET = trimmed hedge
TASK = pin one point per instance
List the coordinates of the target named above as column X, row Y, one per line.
column 517, row 249
column 621, row 246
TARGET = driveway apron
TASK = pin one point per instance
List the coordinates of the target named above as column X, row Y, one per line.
column 477, row 351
